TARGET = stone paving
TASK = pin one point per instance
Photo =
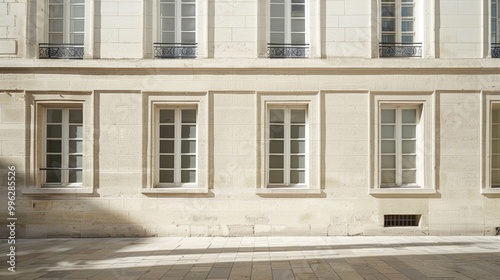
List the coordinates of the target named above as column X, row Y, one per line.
column 259, row 258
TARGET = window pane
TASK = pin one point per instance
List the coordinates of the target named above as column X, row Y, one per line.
column 167, row 116
column 388, row 10
column 277, row 24
column 276, row 146
column 77, row 26
column 167, row 146
column 168, row 24
column 387, row 131
column 167, row 10
column 409, row 177
column 298, row 116
column 75, row 146
column 56, row 11
column 409, row 146
column 276, row 131
column 298, row 131
column 277, row 10
column 276, row 116
column 75, row 116
column 297, row 146
column 188, row 116
column 409, row 131
column 388, row 38
column 75, row 131
column 409, row 162
column 298, row 11
column 388, row 146
column 53, row 176
column 188, row 161
column 77, row 11
column 188, row 146
column 55, row 25
column 188, row 176
column 276, row 161
column 388, row 177
column 188, row 10
column 409, row 115
column 297, row 161
column 298, row 38
column 388, row 25
column 75, row 176
column 75, row 161
column 277, row 38
column 54, row 131
column 388, row 116
column 168, row 37
column 188, row 37
column 53, row 161
column 188, row 24
column 407, row 38
column 495, row 116
column 495, row 178
column 407, row 11
column 495, row 161
column 54, row 116
column 54, row 146
column 166, row 176
column 167, row 131
column 388, row 161
column 297, row 177
column 167, row 161
column 188, row 131
column 406, row 26
column 276, row 177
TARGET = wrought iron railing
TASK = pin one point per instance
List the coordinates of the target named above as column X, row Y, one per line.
column 175, row 50
column 287, row 50
column 495, row 50
column 400, row 49
column 56, row 51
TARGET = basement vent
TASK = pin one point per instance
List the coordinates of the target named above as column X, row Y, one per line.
column 401, row 220
column 497, row 231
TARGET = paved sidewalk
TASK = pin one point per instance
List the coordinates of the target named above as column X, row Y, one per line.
column 258, row 258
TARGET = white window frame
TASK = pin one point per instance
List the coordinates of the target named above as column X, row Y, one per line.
column 66, row 22
column 155, row 101
column 311, row 102
column 37, row 113
column 426, row 177
column 287, row 141
column 490, row 100
column 288, row 22
column 398, row 148
column 178, row 22
column 398, row 33
column 177, row 146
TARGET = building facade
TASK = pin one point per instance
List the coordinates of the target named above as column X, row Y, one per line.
column 250, row 117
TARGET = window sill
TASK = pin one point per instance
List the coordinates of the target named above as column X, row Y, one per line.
column 49, row 191
column 175, row 191
column 287, row 191
column 401, row 191
column 490, row 191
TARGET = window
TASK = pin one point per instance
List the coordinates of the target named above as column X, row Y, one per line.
column 177, row 147
column 399, row 143
column 63, row 147
column 491, row 145
column 66, row 28
column 403, row 146
column 398, row 29
column 287, row 146
column 287, row 29
column 177, row 29
column 495, row 146
column 61, row 152
column 495, row 29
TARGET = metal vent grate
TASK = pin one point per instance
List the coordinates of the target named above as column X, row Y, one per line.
column 401, row 220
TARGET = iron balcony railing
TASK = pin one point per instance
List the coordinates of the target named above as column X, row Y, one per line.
column 175, row 50
column 495, row 50
column 57, row 51
column 276, row 50
column 400, row 49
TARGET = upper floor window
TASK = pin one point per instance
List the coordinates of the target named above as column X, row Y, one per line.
column 495, row 29
column 398, row 36
column 287, row 29
column 176, row 30
column 66, row 28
